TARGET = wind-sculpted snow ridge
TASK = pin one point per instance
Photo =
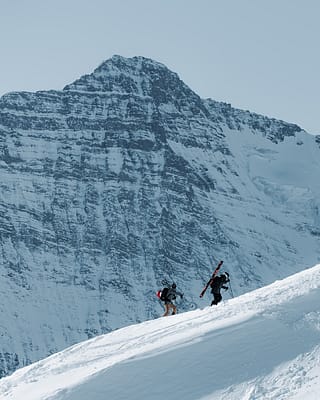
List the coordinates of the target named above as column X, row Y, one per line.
column 126, row 177
column 261, row 345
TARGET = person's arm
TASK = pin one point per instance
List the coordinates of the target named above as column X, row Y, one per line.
column 170, row 294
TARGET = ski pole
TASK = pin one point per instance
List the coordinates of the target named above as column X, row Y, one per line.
column 231, row 291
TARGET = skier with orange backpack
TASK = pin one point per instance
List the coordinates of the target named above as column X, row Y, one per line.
column 168, row 295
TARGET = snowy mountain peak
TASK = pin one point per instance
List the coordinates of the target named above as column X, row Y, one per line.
column 132, row 76
column 262, row 345
column 137, row 63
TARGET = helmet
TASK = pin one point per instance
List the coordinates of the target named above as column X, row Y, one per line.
column 173, row 285
column 225, row 275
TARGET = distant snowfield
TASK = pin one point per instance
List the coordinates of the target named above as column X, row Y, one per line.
column 262, row 345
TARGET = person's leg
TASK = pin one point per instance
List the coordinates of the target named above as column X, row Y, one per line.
column 166, row 308
column 216, row 298
column 174, row 309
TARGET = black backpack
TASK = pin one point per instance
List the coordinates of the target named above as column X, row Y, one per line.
column 164, row 293
column 215, row 283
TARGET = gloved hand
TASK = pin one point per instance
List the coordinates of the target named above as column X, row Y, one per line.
column 226, row 288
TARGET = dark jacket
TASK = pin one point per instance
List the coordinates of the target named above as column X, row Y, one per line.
column 218, row 283
column 172, row 294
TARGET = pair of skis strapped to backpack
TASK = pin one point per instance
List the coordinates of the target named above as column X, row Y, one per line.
column 215, row 272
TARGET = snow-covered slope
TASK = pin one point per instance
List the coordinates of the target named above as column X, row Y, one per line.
column 262, row 345
column 127, row 177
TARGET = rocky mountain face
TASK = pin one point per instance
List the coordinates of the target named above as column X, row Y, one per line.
column 126, row 177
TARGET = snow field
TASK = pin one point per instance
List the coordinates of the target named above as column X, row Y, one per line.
column 262, row 345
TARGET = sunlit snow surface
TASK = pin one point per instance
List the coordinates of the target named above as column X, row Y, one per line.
column 262, row 345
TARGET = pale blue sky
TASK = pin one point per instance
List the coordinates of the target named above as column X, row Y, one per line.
column 259, row 55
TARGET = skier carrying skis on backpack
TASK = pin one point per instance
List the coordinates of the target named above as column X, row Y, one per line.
column 168, row 300
column 217, row 283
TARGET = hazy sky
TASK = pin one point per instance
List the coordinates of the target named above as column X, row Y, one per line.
column 258, row 55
